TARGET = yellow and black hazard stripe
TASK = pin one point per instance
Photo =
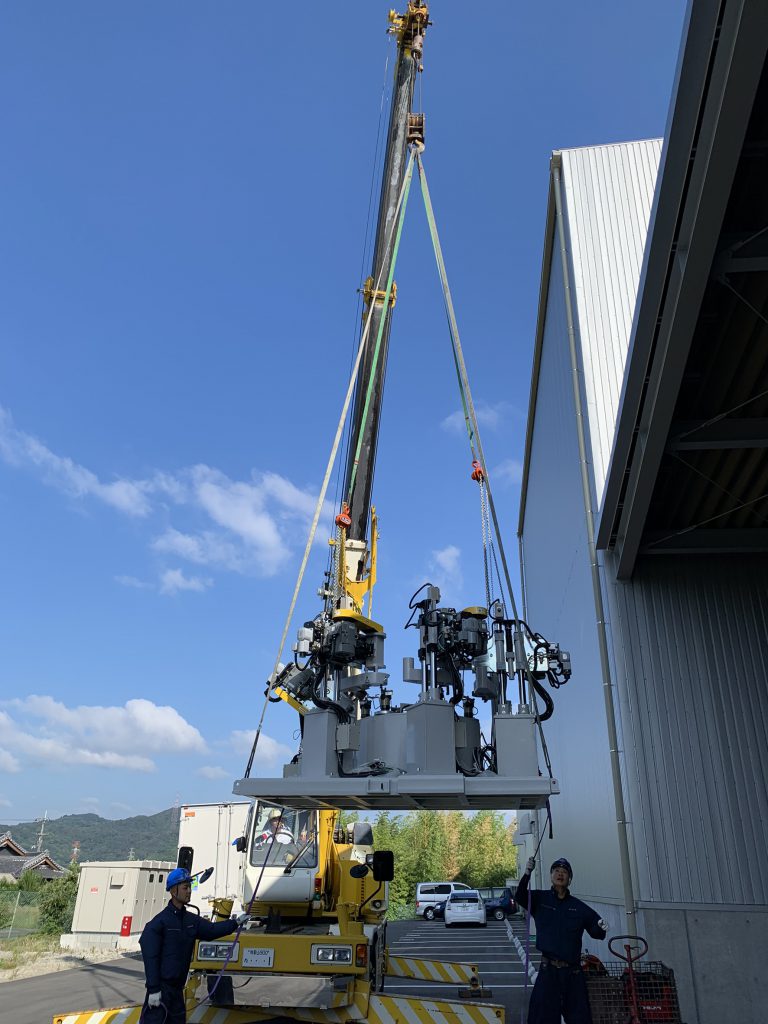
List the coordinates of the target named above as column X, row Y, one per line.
column 432, row 970
column 379, row 1009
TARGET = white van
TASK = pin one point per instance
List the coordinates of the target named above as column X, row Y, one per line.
column 429, row 894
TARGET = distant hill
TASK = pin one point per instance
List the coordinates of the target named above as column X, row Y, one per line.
column 151, row 837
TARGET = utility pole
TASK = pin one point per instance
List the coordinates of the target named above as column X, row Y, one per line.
column 43, row 821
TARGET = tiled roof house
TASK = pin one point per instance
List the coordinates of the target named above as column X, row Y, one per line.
column 14, row 860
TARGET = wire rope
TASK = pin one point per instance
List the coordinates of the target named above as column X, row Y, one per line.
column 474, row 434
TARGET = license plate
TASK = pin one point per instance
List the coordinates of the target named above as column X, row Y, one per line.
column 258, row 957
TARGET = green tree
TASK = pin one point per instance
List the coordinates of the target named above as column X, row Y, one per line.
column 488, row 854
column 390, row 833
column 57, row 902
column 31, row 881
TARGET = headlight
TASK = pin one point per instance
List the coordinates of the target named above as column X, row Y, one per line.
column 331, row 955
column 218, row 951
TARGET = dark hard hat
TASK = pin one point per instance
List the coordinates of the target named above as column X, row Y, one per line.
column 561, row 862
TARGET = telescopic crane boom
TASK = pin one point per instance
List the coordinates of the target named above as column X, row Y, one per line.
column 404, row 128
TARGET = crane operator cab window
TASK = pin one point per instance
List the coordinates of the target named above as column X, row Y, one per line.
column 283, row 836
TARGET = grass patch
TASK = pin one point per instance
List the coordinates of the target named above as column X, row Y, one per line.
column 16, row 952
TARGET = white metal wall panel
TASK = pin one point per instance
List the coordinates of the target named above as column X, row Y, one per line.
column 608, row 192
column 695, row 668
column 559, row 596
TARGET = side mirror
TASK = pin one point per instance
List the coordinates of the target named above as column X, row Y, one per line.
column 383, row 865
column 186, row 856
column 358, row 870
column 240, row 844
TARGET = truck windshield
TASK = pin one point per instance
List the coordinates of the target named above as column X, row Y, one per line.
column 280, row 834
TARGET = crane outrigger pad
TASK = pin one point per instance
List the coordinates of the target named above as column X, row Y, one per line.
column 404, row 792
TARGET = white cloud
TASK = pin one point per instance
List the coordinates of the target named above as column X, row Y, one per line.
column 117, row 806
column 488, row 417
column 8, row 762
column 132, row 581
column 45, row 730
column 4, row 802
column 90, row 801
column 173, row 580
column 205, row 548
column 211, row 771
column 270, row 753
column 235, row 525
column 509, row 471
column 445, row 568
column 18, row 449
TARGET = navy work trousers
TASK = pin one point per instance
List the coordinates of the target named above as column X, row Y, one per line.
column 170, row 1011
column 559, row 991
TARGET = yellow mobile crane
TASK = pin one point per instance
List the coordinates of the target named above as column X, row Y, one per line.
column 315, row 948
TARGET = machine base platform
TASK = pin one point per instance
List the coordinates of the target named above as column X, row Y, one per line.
column 404, row 792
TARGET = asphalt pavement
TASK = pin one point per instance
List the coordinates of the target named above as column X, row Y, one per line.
column 95, row 986
column 120, row 982
column 500, row 960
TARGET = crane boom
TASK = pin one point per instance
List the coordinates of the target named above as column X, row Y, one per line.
column 358, row 483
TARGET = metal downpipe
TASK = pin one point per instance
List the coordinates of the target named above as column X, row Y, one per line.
column 602, row 639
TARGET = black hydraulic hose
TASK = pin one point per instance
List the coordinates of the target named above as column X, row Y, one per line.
column 549, row 704
column 324, row 703
column 458, row 684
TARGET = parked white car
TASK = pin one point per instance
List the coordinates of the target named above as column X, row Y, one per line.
column 465, row 907
column 430, row 894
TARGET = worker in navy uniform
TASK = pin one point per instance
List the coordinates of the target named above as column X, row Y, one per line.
column 561, row 920
column 167, row 944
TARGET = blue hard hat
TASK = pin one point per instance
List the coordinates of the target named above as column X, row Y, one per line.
column 176, row 877
column 561, row 862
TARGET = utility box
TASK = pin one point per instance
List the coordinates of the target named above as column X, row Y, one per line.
column 211, row 830
column 115, row 899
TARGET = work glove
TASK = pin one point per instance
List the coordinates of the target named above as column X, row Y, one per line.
column 602, row 924
column 153, row 1000
column 241, row 919
column 530, row 864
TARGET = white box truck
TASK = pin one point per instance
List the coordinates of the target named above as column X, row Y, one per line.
column 211, row 830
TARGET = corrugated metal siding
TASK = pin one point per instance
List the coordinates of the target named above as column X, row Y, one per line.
column 608, row 196
column 559, row 599
column 695, row 667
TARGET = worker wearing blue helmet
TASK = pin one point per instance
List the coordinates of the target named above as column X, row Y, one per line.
column 561, row 920
column 167, row 944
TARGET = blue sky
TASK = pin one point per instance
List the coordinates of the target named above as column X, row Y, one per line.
column 184, row 196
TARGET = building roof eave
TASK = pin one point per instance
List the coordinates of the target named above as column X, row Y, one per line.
column 718, row 74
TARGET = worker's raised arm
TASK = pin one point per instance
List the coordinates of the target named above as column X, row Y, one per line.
column 522, row 892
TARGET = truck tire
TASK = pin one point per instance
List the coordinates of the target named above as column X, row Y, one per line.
column 376, row 967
